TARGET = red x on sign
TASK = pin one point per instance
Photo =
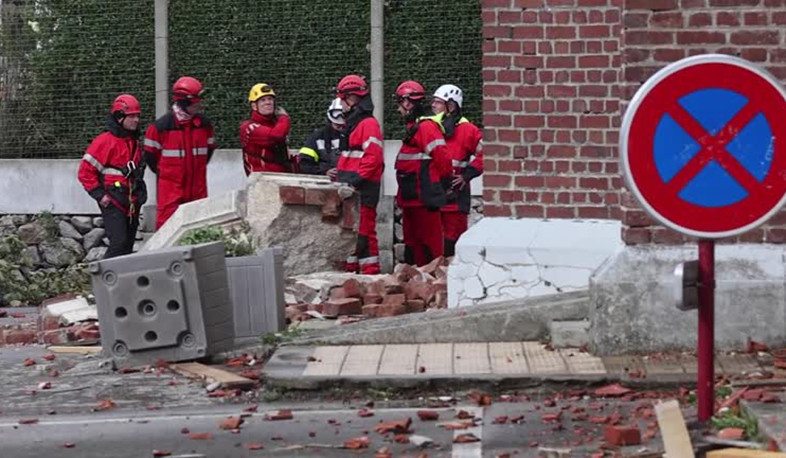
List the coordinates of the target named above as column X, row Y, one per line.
column 713, row 147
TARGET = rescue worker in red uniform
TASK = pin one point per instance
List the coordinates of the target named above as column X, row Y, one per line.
column 361, row 165
column 264, row 136
column 465, row 146
column 112, row 173
column 178, row 147
column 423, row 173
column 321, row 151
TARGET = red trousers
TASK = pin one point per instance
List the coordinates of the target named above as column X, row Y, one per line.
column 422, row 235
column 366, row 255
column 454, row 224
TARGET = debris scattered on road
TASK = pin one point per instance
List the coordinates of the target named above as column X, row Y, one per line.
column 420, row 441
column 106, row 404
column 465, row 438
column 612, row 391
column 280, row 415
column 231, row 423
column 357, row 443
column 200, row 436
column 428, row 415
column 395, row 427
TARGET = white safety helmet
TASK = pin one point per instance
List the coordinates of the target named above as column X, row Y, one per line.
column 335, row 113
column 448, row 92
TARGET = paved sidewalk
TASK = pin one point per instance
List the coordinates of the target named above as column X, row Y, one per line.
column 309, row 367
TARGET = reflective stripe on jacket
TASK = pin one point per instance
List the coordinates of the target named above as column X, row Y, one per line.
column 179, row 151
column 423, row 165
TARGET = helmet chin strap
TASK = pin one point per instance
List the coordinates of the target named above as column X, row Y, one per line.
column 417, row 111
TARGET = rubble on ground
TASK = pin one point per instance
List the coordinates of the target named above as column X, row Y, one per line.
column 62, row 320
column 408, row 289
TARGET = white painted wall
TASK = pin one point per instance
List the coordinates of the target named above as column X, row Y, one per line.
column 31, row 186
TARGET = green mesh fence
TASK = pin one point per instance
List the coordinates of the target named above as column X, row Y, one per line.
column 63, row 61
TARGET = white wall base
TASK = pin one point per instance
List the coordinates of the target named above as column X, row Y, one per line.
column 502, row 259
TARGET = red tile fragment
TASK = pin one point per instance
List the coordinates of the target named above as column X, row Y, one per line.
column 357, row 443
column 621, row 435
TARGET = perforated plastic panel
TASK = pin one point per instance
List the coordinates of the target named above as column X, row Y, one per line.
column 170, row 304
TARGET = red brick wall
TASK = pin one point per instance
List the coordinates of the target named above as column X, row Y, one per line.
column 557, row 76
column 551, row 103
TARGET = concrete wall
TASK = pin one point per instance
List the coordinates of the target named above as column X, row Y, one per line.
column 32, row 186
column 633, row 308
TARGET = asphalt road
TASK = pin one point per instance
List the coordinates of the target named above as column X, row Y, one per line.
column 313, row 432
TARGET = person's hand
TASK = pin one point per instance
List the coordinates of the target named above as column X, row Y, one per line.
column 332, row 174
column 458, row 182
column 280, row 111
column 105, row 201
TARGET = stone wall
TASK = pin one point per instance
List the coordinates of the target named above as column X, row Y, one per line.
column 56, row 241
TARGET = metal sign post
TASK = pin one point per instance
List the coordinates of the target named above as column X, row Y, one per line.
column 706, row 351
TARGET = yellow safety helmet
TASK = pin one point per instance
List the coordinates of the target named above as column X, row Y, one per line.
column 260, row 90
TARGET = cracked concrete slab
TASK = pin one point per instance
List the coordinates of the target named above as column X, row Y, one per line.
column 503, row 259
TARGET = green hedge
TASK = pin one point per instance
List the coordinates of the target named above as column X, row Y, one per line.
column 87, row 51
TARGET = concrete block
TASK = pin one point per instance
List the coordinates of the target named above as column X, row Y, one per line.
column 169, row 304
column 569, row 334
column 256, row 284
column 502, row 322
column 633, row 308
column 71, row 311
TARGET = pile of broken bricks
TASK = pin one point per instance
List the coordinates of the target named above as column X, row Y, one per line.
column 408, row 289
column 63, row 320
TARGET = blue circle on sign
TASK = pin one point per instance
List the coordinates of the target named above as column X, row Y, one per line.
column 713, row 186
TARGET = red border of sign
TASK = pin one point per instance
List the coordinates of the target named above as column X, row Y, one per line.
column 638, row 132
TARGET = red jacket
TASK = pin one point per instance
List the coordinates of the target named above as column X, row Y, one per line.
column 105, row 169
column 264, row 142
column 423, row 167
column 178, row 152
column 466, row 142
column 363, row 158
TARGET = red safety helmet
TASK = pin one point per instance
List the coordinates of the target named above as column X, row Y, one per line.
column 187, row 88
column 126, row 104
column 410, row 90
column 351, row 84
